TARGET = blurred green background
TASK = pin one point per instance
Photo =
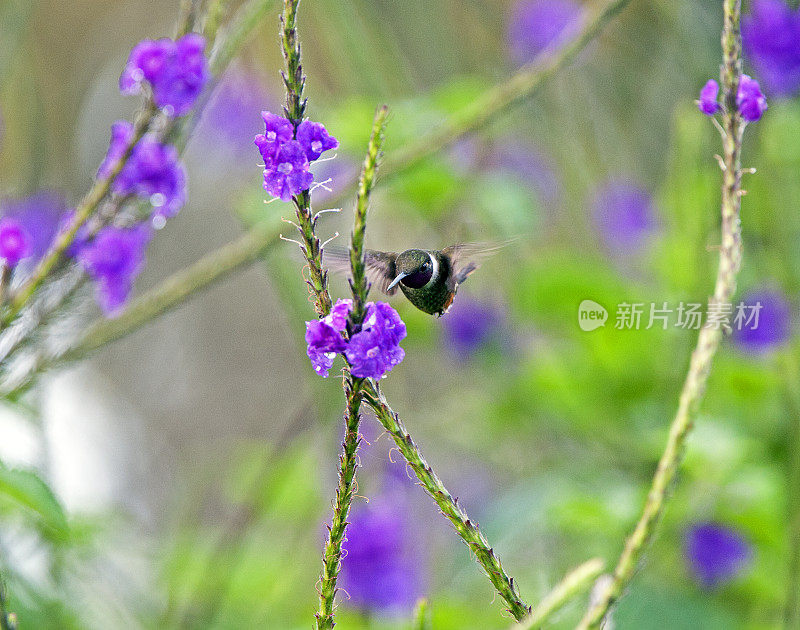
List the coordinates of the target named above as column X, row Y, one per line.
column 193, row 463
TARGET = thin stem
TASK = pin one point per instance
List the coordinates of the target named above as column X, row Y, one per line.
column 421, row 620
column 240, row 28
column 503, row 95
column 465, row 528
column 574, row 583
column 85, row 209
column 295, row 80
column 331, row 559
column 365, row 184
column 352, row 386
column 709, row 338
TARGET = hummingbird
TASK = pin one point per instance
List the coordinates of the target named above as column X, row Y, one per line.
column 429, row 278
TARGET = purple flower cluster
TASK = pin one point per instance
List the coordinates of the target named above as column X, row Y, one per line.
column 470, row 325
column 771, row 37
column 715, row 553
column 624, row 215
column 176, row 70
column 288, row 154
column 15, row 241
column 382, row 567
column 536, row 25
column 750, row 101
column 371, row 352
column 152, row 172
column 113, row 259
column 774, row 325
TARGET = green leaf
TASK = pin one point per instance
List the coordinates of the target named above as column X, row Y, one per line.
column 25, row 489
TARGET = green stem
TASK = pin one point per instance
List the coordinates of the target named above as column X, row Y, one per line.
column 331, row 559
column 465, row 528
column 500, row 97
column 365, row 184
column 352, row 386
column 241, row 27
column 709, row 338
column 574, row 583
column 421, row 620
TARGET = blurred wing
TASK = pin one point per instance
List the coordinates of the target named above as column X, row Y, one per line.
column 467, row 257
column 380, row 265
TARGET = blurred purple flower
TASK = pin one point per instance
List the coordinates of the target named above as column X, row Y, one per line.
column 383, row 565
column 113, row 259
column 624, row 215
column 773, row 326
column 15, row 242
column 771, row 37
column 707, row 103
column 530, row 165
column 315, row 139
column 153, row 171
column 469, row 325
column 535, row 25
column 749, row 100
column 40, row 215
column 177, row 71
column 231, row 117
column 715, row 553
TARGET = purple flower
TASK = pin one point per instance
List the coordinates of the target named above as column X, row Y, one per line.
column 530, row 166
column 152, row 172
column 40, row 215
column 624, row 215
column 469, row 325
column 762, row 321
column 371, row 352
column 324, row 338
column 231, row 116
column 382, row 565
column 314, row 139
column 113, row 259
column 15, row 242
column 749, row 100
column 145, row 63
column 375, row 350
column 715, row 553
column 279, row 131
column 771, row 37
column 535, row 25
column 288, row 173
column 177, row 70
column 707, row 103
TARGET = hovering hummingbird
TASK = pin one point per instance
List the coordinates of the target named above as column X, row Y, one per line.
column 429, row 278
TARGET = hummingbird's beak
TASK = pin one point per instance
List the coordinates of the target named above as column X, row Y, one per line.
column 395, row 281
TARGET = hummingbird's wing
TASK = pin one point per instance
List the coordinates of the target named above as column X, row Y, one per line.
column 466, row 258
column 380, row 265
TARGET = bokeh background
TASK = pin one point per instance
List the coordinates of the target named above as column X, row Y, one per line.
column 193, row 463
